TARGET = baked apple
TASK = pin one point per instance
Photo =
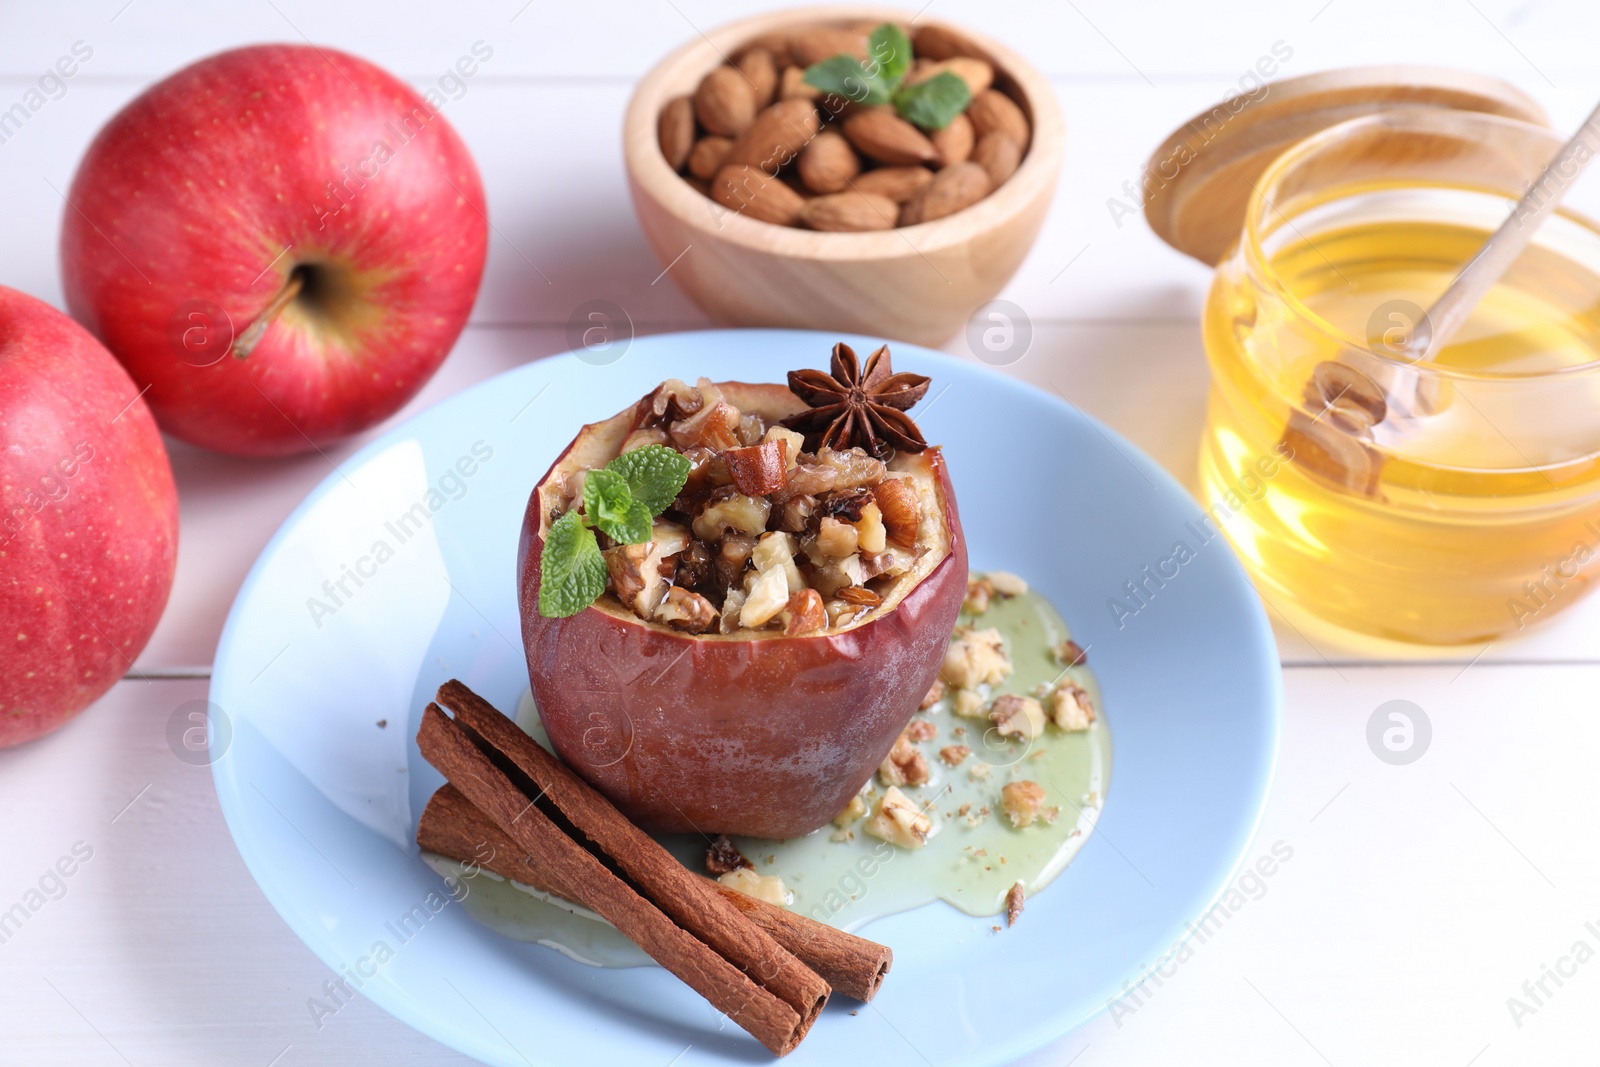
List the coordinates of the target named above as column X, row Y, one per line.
column 736, row 649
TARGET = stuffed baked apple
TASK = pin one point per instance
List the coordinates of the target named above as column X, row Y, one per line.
column 734, row 596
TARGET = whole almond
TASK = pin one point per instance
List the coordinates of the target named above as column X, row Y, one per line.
column 775, row 44
column 813, row 45
column 941, row 42
column 954, row 142
column 776, row 136
column 828, row 163
column 761, row 71
column 792, row 85
column 975, row 72
column 744, row 190
column 724, row 103
column 997, row 154
column 850, row 212
column 878, row 133
column 951, row 190
column 675, row 129
column 706, row 158
column 993, row 110
column 897, row 183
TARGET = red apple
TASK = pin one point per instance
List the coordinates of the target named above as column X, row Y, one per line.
column 768, row 736
column 89, row 534
column 282, row 242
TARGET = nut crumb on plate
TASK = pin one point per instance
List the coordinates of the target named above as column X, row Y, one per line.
column 1070, row 707
column 976, row 658
column 723, row 856
column 954, row 754
column 767, row 887
column 935, row 694
column 1071, row 654
column 1006, row 584
column 1014, row 898
column 1015, row 716
column 899, row 821
column 1024, row 802
column 904, row 765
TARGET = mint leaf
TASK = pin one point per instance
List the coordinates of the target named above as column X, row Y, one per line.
column 844, row 76
column 608, row 504
column 889, row 51
column 655, row 475
column 934, row 103
column 572, row 572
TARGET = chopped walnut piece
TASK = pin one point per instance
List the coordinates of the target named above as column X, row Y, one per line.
column 978, row 593
column 767, row 887
column 935, row 694
column 803, row 614
column 644, row 435
column 687, row 611
column 836, row 539
column 892, row 562
column 870, row 531
column 836, row 577
column 904, row 765
column 1015, row 716
column 899, row 821
column 636, row 576
column 1006, row 584
column 730, row 509
column 922, row 730
column 901, row 509
column 722, row 856
column 976, row 657
column 732, row 607
column 969, row 704
column 852, row 811
column 769, row 594
column 954, row 754
column 1070, row 707
column 1023, row 801
column 852, row 467
column 1071, row 654
column 842, row 612
column 1014, row 898
column 792, row 442
column 775, row 551
column 796, row 516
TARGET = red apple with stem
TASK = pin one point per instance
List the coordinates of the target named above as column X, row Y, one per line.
column 89, row 533
column 282, row 242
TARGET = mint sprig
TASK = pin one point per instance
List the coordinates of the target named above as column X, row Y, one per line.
column 619, row 499
column 931, row 104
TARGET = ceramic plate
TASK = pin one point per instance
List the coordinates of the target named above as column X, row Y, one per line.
column 398, row 573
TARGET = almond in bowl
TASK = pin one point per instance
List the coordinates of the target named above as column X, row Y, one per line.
column 843, row 169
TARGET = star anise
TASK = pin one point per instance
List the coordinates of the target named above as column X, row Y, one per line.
column 857, row 406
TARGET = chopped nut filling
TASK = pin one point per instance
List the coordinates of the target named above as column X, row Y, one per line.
column 1070, row 707
column 975, row 658
column 899, row 821
column 767, row 887
column 1024, row 802
column 764, row 534
column 904, row 765
column 1015, row 716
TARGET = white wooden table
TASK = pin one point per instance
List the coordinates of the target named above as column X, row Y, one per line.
column 1418, row 899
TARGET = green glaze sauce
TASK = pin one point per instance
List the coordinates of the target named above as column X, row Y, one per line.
column 846, row 877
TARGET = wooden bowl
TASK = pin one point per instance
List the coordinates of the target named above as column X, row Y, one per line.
column 916, row 283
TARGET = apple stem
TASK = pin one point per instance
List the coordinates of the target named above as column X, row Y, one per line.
column 247, row 340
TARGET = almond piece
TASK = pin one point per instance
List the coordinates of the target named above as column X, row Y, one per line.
column 817, row 43
column 744, row 190
column 941, row 42
column 725, row 103
column 776, row 136
column 978, row 74
column 758, row 470
column 792, row 84
column 880, row 134
column 993, row 110
column 705, row 159
column 761, row 71
column 997, row 153
column 803, row 614
column 850, row 212
column 828, row 163
column 954, row 142
column 897, row 183
column 951, row 190
column 675, row 128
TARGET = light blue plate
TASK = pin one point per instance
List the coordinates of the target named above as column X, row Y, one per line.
column 398, row 573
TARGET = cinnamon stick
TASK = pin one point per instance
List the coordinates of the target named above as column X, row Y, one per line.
column 452, row 827
column 672, row 887
column 729, row 972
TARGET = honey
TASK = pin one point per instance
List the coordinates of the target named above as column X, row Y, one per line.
column 1481, row 515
